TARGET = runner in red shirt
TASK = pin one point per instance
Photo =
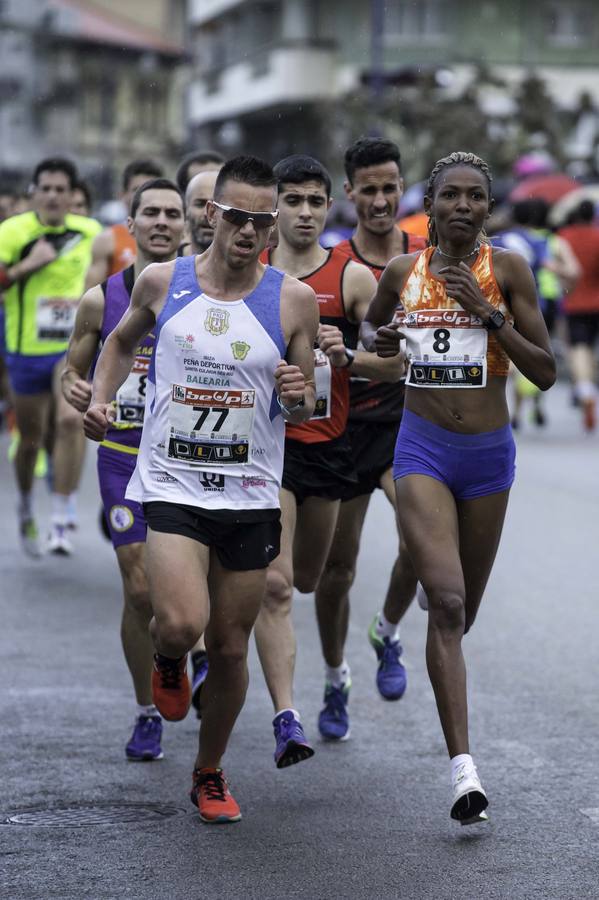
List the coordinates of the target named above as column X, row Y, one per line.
column 581, row 306
column 319, row 466
column 375, row 185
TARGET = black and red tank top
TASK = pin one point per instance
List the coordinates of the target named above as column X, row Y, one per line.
column 329, row 420
column 377, row 401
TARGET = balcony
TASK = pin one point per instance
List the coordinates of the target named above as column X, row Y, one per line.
column 201, row 11
column 281, row 74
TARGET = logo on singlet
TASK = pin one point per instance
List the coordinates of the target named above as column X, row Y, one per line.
column 185, row 341
column 217, row 322
column 180, row 294
column 240, row 350
column 212, row 481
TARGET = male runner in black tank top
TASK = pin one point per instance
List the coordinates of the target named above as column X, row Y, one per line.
column 374, row 184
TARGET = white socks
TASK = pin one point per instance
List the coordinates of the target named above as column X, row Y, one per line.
column 337, row 676
column 72, row 517
column 60, row 509
column 147, row 710
column 295, row 713
column 386, row 629
column 457, row 761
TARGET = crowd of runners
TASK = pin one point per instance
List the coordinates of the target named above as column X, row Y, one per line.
column 250, row 389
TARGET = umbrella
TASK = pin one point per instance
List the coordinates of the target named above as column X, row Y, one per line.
column 546, row 187
column 562, row 209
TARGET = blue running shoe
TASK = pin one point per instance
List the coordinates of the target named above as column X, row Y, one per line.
column 199, row 665
column 145, row 740
column 391, row 676
column 333, row 721
column 292, row 746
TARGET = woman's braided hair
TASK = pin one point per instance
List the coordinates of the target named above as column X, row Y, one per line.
column 459, row 158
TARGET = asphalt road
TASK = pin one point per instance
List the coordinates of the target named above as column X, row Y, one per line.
column 364, row 819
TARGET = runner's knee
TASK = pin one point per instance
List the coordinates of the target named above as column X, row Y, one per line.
column 305, row 581
column 69, row 422
column 137, row 595
column 278, row 591
column 446, row 609
column 178, row 630
column 228, row 650
column 337, row 578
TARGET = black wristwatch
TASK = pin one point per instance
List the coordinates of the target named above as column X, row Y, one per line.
column 495, row 321
column 350, row 356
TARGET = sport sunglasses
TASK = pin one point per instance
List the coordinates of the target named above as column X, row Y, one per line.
column 241, row 217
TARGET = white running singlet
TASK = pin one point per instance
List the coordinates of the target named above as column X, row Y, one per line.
column 213, row 434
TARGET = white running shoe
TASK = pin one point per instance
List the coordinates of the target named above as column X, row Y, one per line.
column 469, row 799
column 58, row 541
column 421, row 597
column 30, row 540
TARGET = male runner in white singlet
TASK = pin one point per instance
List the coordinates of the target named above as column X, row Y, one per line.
column 232, row 362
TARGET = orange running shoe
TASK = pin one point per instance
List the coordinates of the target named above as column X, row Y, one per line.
column 171, row 690
column 210, row 793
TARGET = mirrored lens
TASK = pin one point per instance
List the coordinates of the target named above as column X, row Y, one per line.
column 241, row 217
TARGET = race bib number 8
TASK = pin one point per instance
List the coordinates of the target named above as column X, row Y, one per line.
column 446, row 348
column 210, row 427
column 131, row 397
column 55, row 318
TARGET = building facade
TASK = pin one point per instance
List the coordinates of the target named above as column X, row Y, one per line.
column 101, row 82
column 281, row 76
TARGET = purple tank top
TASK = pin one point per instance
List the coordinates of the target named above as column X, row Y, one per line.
column 130, row 398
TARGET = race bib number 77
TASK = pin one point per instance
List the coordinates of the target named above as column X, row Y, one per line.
column 446, row 348
column 210, row 427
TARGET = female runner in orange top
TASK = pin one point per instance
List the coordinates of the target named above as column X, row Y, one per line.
column 465, row 310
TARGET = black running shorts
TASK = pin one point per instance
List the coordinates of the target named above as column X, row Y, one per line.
column 583, row 328
column 323, row 469
column 373, row 446
column 243, row 540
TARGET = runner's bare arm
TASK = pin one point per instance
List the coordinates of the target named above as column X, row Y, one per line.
column 118, row 353
column 359, row 287
column 526, row 342
column 377, row 331
column 294, row 377
column 365, row 365
column 83, row 347
column 102, row 252
column 40, row 255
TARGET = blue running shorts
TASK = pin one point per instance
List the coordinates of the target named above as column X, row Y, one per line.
column 31, row 374
column 471, row 465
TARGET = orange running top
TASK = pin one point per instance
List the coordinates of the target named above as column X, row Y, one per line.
column 424, row 290
column 125, row 249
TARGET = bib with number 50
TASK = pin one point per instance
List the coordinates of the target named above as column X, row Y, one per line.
column 446, row 348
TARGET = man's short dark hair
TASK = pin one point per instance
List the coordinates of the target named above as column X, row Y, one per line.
column 299, row 168
column 246, row 170
column 532, row 212
column 369, row 151
column 155, row 184
column 141, row 167
column 201, row 157
column 56, row 164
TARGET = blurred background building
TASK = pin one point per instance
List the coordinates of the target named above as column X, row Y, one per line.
column 106, row 81
column 278, row 76
column 101, row 81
